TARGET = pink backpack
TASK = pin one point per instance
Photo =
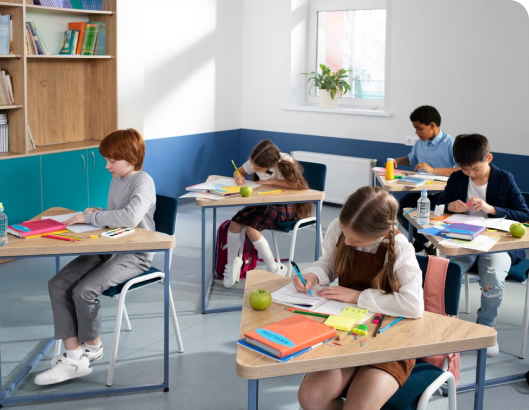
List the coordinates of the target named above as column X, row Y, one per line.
column 434, row 301
column 249, row 253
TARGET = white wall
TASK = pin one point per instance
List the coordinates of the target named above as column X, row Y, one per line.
column 468, row 58
column 180, row 65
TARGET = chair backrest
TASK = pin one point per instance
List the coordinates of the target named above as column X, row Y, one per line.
column 314, row 174
column 452, row 292
column 165, row 214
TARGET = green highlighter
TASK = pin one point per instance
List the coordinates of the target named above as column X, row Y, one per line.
column 397, row 177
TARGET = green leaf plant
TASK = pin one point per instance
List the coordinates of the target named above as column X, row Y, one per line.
column 330, row 81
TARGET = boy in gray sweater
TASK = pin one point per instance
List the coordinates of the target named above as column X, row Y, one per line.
column 74, row 290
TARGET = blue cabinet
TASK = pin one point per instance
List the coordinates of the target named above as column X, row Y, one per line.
column 20, row 190
column 98, row 179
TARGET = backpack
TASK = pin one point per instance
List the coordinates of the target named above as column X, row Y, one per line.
column 434, row 301
column 249, row 254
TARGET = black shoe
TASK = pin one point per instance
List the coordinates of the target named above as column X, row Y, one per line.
column 431, row 250
column 419, row 247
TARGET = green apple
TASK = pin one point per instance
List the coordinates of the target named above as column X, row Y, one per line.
column 246, row 190
column 260, row 299
column 517, row 230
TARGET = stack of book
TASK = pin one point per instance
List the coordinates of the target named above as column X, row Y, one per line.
column 4, row 133
column 411, row 181
column 6, row 35
column 34, row 41
column 69, row 4
column 84, row 38
column 6, row 89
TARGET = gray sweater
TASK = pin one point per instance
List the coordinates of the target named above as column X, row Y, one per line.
column 131, row 203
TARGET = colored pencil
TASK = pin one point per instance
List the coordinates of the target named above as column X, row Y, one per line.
column 391, row 324
column 303, row 312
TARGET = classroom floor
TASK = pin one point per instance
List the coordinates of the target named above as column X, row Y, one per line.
column 203, row 377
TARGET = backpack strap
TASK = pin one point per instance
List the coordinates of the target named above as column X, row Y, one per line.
column 434, row 285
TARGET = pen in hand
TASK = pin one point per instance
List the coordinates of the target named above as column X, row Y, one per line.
column 301, row 278
column 236, row 169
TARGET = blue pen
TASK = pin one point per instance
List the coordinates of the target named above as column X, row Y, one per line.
column 411, row 210
column 391, row 324
column 299, row 276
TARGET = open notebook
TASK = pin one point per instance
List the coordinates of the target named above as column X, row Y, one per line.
column 289, row 296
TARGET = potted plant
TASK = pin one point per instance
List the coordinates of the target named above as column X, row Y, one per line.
column 332, row 85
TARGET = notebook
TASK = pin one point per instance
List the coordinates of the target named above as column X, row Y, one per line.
column 411, row 181
column 462, row 231
column 290, row 335
column 242, row 342
column 227, row 190
column 34, row 228
column 289, row 296
column 500, row 224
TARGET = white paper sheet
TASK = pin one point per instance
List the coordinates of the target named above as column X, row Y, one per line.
column 77, row 228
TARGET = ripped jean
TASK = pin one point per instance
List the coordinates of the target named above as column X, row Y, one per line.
column 493, row 269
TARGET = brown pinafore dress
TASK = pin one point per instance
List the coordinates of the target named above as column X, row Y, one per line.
column 365, row 267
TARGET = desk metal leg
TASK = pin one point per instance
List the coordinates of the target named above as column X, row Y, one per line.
column 203, row 261
column 253, row 394
column 166, row 321
column 410, row 233
column 480, row 379
column 318, row 228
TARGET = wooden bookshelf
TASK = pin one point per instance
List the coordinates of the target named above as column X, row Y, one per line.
column 69, row 101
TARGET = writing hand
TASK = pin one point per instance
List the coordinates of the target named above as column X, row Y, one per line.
column 457, row 206
column 423, row 166
column 77, row 219
column 311, row 280
column 238, row 179
column 340, row 293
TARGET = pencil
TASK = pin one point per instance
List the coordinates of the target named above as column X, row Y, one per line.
column 270, row 191
column 303, row 312
column 236, row 169
column 379, row 324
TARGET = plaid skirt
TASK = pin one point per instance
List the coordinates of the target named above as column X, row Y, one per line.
column 265, row 216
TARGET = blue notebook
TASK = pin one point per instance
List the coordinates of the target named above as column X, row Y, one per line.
column 411, row 181
column 244, row 343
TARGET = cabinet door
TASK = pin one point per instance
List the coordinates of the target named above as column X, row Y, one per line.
column 64, row 180
column 20, row 188
column 98, row 179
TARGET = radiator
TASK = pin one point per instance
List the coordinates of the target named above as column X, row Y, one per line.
column 344, row 174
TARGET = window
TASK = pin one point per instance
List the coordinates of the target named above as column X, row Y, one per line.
column 352, row 34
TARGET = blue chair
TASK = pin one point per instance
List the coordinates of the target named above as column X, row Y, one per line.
column 314, row 174
column 425, row 378
column 165, row 222
column 518, row 274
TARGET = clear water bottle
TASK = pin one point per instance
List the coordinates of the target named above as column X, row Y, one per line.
column 423, row 209
column 3, row 226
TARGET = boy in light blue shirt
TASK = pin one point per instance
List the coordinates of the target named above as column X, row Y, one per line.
column 432, row 154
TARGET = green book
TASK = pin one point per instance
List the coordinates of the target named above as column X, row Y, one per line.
column 76, row 4
column 90, row 39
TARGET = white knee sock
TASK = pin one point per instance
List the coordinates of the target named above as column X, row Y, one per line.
column 74, row 354
column 234, row 243
column 263, row 248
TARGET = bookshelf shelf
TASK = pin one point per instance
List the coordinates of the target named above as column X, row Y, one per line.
column 68, row 101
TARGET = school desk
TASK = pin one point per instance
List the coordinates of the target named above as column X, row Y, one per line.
column 431, row 335
column 506, row 243
column 290, row 196
column 380, row 181
column 142, row 240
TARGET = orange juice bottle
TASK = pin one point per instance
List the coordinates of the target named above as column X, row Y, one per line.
column 390, row 174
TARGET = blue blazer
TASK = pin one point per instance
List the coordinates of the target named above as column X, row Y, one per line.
column 502, row 193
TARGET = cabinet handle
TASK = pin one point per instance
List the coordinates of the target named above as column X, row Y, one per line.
column 84, row 162
column 93, row 158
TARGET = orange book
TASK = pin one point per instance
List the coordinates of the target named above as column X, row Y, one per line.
column 80, row 26
column 290, row 335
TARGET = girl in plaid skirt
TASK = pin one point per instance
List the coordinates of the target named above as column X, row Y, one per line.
column 269, row 166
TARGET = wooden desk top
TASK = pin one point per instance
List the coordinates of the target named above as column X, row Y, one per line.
column 288, row 195
column 432, row 334
column 506, row 243
column 394, row 187
column 140, row 240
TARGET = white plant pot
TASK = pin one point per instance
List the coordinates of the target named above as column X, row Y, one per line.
column 326, row 101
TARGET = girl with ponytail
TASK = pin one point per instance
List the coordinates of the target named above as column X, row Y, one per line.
column 376, row 269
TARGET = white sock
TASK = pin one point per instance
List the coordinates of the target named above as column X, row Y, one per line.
column 93, row 348
column 74, row 354
column 263, row 248
column 234, row 244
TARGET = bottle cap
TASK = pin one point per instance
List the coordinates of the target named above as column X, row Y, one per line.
column 424, row 192
column 390, row 159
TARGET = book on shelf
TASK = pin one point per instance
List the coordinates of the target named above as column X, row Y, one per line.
column 411, row 181
column 462, row 231
column 4, row 133
column 30, row 136
column 90, row 38
column 67, row 42
column 6, row 89
column 35, row 44
column 80, row 26
column 289, row 336
column 36, row 227
column 5, row 34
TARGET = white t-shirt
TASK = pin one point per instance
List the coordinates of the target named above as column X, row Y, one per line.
column 407, row 302
column 272, row 173
column 475, row 191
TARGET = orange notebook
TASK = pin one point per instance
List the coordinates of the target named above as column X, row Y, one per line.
column 37, row 227
column 290, row 335
column 80, row 26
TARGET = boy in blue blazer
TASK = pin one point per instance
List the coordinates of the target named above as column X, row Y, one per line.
column 481, row 188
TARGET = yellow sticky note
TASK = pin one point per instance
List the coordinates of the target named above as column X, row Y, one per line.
column 340, row 322
column 355, row 313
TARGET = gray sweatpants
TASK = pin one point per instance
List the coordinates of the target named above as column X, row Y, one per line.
column 74, row 291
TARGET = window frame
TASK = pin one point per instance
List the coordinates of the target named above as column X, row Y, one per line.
column 315, row 6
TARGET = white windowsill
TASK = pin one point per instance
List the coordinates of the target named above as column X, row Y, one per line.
column 346, row 111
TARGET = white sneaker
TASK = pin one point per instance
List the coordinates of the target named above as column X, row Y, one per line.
column 281, row 270
column 92, row 356
column 64, row 369
column 232, row 273
column 493, row 351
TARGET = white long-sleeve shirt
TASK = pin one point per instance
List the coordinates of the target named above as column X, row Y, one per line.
column 407, row 301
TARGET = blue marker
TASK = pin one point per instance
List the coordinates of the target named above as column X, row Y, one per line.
column 391, row 324
column 21, row 228
column 299, row 276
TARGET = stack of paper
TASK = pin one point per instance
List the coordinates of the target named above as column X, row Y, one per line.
column 208, row 190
